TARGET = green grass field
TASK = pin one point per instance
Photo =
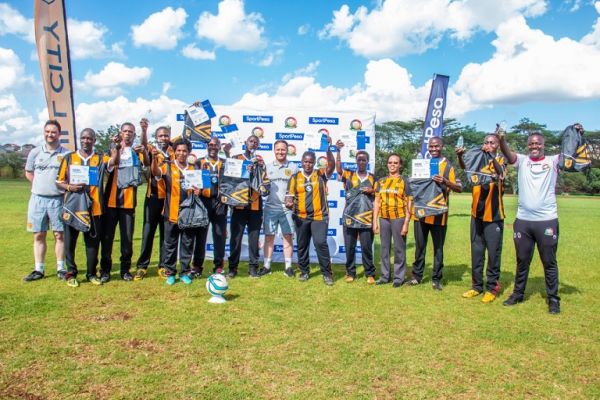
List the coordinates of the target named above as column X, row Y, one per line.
column 278, row 338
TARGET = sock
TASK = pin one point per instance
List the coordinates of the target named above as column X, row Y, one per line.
column 39, row 267
column 267, row 263
column 60, row 265
column 288, row 263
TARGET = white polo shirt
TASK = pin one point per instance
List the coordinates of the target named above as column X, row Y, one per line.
column 537, row 188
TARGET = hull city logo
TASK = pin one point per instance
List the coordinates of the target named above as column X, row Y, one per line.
column 258, row 119
column 289, row 136
column 323, row 121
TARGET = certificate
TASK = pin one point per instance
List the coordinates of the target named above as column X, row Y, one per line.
column 198, row 115
column 79, row 174
column 233, row 168
column 348, row 152
column 421, row 168
column 316, row 141
column 236, row 140
column 197, row 177
column 126, row 158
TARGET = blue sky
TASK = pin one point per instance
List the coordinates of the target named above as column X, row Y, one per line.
column 506, row 59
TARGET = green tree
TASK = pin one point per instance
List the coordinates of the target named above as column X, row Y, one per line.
column 104, row 138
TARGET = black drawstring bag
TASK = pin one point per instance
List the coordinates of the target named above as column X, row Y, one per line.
column 192, row 213
column 574, row 156
column 76, row 210
column 479, row 166
column 358, row 213
column 429, row 198
column 256, row 180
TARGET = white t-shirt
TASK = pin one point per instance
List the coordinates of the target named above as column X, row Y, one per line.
column 279, row 175
column 537, row 188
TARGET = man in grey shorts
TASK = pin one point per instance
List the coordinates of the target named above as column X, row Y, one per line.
column 46, row 201
column 275, row 213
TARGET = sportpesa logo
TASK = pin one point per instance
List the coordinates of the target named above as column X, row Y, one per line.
column 289, row 136
column 323, row 120
column 259, row 119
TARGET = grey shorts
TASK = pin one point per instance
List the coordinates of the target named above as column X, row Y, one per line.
column 45, row 212
column 275, row 218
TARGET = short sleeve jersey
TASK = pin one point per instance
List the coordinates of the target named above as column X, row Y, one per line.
column 310, row 194
column 279, row 176
column 44, row 164
column 537, row 188
column 487, row 200
column 393, row 193
column 121, row 198
column 176, row 189
column 156, row 187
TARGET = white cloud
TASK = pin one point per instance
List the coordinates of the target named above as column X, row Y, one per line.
column 399, row 27
column 597, row 6
column 13, row 22
column 16, row 126
column 309, row 70
column 303, row 29
column 191, row 51
column 271, row 58
column 529, row 65
column 86, row 40
column 12, row 70
column 161, row 30
column 232, row 28
column 112, row 78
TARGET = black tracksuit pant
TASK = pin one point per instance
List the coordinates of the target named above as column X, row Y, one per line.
column 486, row 236
column 544, row 234
column 240, row 219
column 126, row 219
column 92, row 247
column 366, row 245
column 153, row 207
column 182, row 239
column 217, row 215
column 317, row 230
column 438, row 235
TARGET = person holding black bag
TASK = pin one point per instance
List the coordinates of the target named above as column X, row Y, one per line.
column 80, row 176
column 358, row 213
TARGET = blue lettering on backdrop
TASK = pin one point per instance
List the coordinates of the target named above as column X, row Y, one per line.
column 289, row 136
column 342, row 249
column 332, row 203
column 262, row 146
column 180, row 117
column 263, row 119
column 331, row 232
column 323, row 120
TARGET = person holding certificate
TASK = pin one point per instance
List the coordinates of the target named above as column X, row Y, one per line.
column 359, row 183
column 250, row 216
column 83, row 171
column 307, row 197
column 177, row 190
column 435, row 225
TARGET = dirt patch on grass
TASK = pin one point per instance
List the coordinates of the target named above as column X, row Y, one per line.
column 143, row 345
column 119, row 316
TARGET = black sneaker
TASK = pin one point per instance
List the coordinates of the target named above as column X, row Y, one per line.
column 397, row 284
column 414, row 282
column 61, row 274
column 328, row 280
column 512, row 300
column 554, row 306
column 382, row 282
column 437, row 285
column 232, row 273
column 34, row 276
column 289, row 272
column 127, row 277
column 104, row 277
column 195, row 274
column 303, row 277
column 253, row 274
column 264, row 271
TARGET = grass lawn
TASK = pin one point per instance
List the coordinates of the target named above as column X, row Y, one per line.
column 278, row 338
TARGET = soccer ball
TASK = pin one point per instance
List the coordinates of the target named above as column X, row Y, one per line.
column 217, row 285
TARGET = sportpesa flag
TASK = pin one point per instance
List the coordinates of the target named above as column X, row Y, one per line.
column 434, row 119
column 55, row 63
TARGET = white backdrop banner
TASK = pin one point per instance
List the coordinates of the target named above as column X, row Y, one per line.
column 295, row 126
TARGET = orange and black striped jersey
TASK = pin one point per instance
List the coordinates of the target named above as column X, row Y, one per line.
column 215, row 169
column 95, row 160
column 351, row 180
column 255, row 197
column 176, row 190
column 156, row 188
column 310, row 194
column 120, row 198
column 393, row 193
column 446, row 169
column 487, row 203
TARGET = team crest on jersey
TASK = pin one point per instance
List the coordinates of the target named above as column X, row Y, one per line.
column 308, row 188
column 66, row 216
column 287, row 172
column 474, row 178
column 420, row 212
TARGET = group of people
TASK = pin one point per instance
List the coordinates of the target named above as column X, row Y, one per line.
column 294, row 202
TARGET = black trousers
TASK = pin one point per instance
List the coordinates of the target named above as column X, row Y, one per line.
column 544, row 234
column 438, row 235
column 92, row 247
column 126, row 220
column 217, row 215
column 317, row 230
column 153, row 207
column 366, row 244
column 182, row 239
column 486, row 236
column 240, row 219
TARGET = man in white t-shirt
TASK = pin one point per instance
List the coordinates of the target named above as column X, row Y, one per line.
column 537, row 217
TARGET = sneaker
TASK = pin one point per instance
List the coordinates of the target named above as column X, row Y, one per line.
column 73, row 282
column 414, row 282
column 382, row 282
column 195, row 274
column 162, row 272
column 349, row 279
column 232, row 273
column 34, row 276
column 488, row 297
column 471, row 293
column 140, row 273
column 253, row 274
column 303, row 277
column 218, row 270
column 127, row 277
column 264, row 271
column 61, row 274
column 171, row 280
column 185, row 279
column 396, row 284
column 94, row 280
column 328, row 280
column 437, row 285
column 554, row 306
column 289, row 272
column 512, row 300
column 104, row 278
column 370, row 280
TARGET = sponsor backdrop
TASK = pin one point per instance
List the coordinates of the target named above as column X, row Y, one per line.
column 294, row 126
